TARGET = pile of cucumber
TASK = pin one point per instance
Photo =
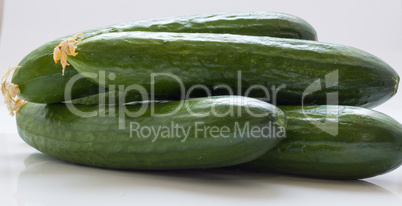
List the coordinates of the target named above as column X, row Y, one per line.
column 261, row 93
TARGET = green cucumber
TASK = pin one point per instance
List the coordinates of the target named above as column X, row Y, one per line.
column 206, row 134
column 368, row 143
column 236, row 61
column 40, row 79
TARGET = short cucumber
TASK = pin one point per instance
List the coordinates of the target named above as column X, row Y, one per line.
column 201, row 133
column 151, row 60
column 41, row 81
column 368, row 143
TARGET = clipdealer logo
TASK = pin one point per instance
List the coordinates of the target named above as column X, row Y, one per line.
column 328, row 125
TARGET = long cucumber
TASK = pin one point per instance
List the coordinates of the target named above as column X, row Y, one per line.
column 196, row 133
column 41, row 81
column 170, row 65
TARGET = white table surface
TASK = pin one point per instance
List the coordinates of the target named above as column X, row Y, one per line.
column 30, row 178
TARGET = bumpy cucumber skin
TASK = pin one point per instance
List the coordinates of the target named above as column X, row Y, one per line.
column 40, row 79
column 214, row 59
column 369, row 143
column 97, row 141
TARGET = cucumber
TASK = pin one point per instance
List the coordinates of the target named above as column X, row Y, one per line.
column 41, row 81
column 215, row 60
column 368, row 143
column 211, row 137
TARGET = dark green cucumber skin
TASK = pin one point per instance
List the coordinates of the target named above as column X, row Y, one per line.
column 98, row 141
column 368, row 143
column 41, row 81
column 215, row 59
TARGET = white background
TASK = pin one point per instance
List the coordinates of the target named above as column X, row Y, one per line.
column 371, row 25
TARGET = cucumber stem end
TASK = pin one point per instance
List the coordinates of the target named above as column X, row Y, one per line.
column 66, row 48
column 10, row 92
